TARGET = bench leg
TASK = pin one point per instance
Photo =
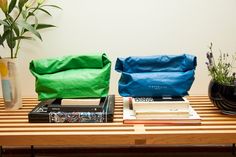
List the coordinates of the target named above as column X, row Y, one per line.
column 1, row 151
column 233, row 149
column 32, row 151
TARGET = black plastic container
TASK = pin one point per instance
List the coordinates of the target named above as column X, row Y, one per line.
column 223, row 97
column 41, row 114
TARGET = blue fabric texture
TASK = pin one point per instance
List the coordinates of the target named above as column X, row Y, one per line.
column 155, row 76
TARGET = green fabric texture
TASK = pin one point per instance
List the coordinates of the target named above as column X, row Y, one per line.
column 81, row 76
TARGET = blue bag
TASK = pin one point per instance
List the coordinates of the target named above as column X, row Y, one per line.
column 155, row 76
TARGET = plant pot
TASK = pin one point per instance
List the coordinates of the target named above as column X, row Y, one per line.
column 223, row 97
column 10, row 84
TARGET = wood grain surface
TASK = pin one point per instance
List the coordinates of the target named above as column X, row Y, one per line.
column 216, row 128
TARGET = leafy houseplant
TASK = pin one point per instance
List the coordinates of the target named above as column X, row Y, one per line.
column 20, row 18
column 221, row 71
column 19, row 21
column 222, row 88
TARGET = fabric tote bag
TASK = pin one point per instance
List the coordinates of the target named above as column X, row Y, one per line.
column 78, row 76
column 156, row 76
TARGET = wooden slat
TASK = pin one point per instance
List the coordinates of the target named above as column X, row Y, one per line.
column 200, row 127
column 51, row 129
column 216, row 128
column 88, row 125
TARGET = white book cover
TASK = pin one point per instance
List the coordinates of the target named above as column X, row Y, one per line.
column 148, row 104
column 65, row 102
column 162, row 114
column 129, row 117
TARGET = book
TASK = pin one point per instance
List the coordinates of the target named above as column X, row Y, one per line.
column 129, row 117
column 41, row 114
column 80, row 102
column 77, row 105
column 162, row 114
column 160, row 103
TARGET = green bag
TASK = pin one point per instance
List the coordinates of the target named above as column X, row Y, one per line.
column 84, row 76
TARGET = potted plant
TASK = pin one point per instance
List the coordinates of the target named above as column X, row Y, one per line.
column 20, row 21
column 222, row 88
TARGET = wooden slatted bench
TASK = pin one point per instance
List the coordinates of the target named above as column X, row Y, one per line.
column 216, row 128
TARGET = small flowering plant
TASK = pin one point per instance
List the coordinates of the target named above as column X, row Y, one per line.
column 20, row 20
column 221, row 70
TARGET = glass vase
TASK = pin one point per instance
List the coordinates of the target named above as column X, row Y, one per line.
column 11, row 89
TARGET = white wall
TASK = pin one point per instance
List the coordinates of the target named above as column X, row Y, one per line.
column 134, row 27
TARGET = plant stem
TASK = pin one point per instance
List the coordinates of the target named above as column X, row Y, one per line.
column 21, row 33
column 11, row 49
column 17, row 46
column 11, row 28
column 17, row 17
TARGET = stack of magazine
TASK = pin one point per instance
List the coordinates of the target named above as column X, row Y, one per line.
column 159, row 110
column 74, row 111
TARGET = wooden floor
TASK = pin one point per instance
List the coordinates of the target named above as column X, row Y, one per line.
column 216, row 128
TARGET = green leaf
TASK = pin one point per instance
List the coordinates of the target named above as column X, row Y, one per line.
column 23, row 37
column 24, row 14
column 10, row 40
column 9, row 19
column 30, row 28
column 5, row 34
column 54, row 6
column 35, row 18
column 43, row 26
column 45, row 11
column 7, row 31
column 21, row 3
column 16, row 29
column 30, row 14
column 4, row 23
column 1, row 40
column 11, row 6
column 35, row 22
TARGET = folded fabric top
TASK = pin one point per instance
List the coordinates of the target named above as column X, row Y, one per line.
column 53, row 65
column 158, row 63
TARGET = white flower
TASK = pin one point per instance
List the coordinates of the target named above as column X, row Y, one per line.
column 30, row 3
column 40, row 1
